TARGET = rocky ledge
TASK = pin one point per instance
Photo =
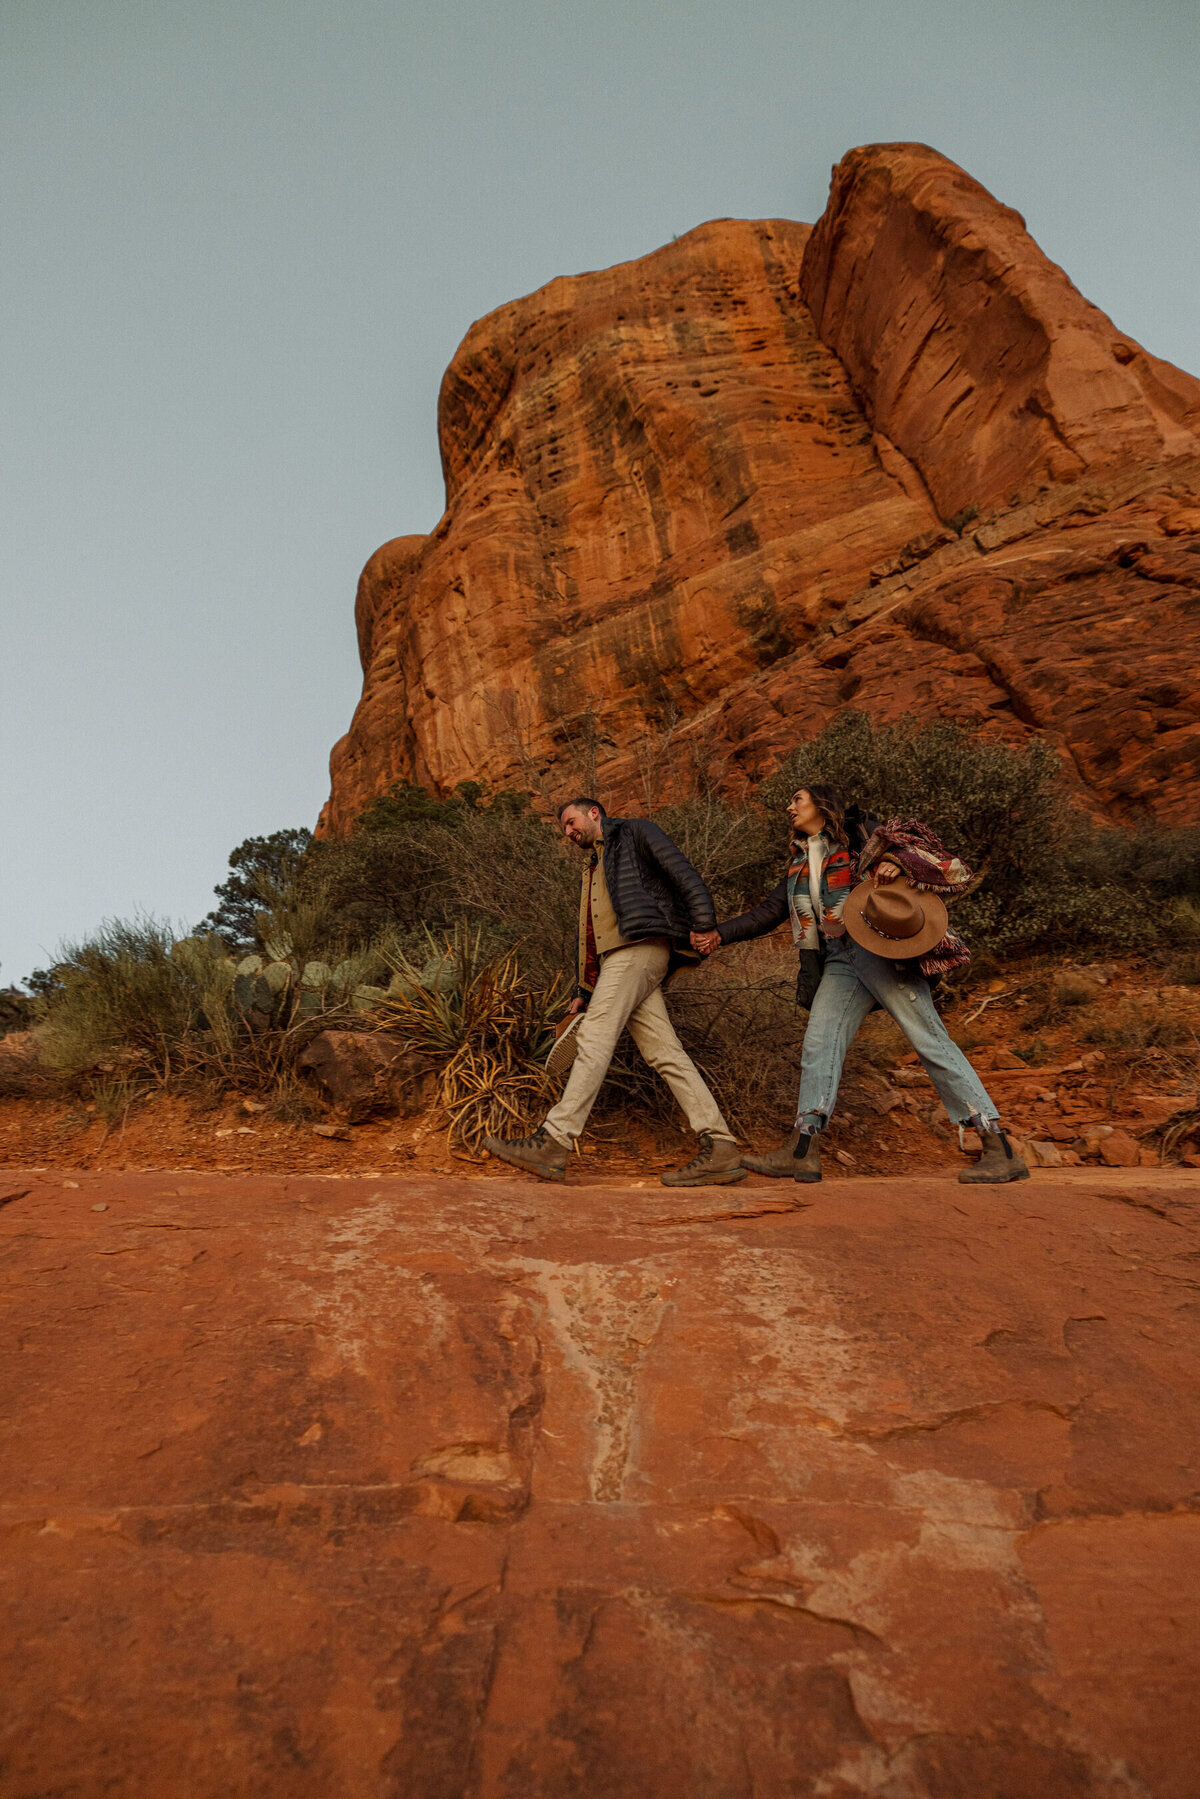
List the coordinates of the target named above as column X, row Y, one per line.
column 411, row 1488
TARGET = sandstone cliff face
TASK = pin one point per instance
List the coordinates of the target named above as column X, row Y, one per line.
column 895, row 461
column 969, row 348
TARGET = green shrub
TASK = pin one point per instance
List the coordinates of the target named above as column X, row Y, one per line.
column 1046, row 878
column 737, row 846
column 999, row 808
column 1161, row 859
column 119, row 991
column 16, row 1011
column 262, row 867
column 137, row 1002
column 476, row 859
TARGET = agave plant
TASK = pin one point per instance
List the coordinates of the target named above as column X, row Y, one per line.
column 482, row 1027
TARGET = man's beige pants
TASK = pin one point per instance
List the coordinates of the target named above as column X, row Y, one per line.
column 629, row 992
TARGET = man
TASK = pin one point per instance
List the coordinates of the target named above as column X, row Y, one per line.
column 640, row 900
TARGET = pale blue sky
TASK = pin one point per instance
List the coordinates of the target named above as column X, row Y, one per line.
column 241, row 240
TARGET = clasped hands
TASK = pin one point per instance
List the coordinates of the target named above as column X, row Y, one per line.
column 707, row 941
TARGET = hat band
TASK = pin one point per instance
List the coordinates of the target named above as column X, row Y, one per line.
column 890, row 936
column 915, row 911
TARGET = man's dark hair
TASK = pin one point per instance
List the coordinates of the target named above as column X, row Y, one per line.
column 582, row 800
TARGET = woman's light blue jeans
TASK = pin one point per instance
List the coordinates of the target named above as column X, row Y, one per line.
column 852, row 980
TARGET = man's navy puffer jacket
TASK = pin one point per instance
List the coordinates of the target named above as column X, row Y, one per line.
column 654, row 889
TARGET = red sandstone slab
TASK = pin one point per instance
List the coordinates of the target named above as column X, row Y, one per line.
column 406, row 1487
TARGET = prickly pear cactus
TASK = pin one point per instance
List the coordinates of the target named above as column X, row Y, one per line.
column 441, row 974
column 271, row 989
column 278, row 976
column 365, row 997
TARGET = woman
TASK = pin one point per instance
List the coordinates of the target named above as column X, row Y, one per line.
column 877, row 943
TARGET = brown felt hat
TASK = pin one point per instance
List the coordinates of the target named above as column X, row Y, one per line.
column 895, row 920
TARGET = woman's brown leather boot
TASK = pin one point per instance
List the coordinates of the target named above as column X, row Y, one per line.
column 780, row 1163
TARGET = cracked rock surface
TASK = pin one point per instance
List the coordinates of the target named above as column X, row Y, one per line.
column 411, row 1488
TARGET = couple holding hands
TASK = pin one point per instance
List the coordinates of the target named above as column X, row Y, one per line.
column 868, row 918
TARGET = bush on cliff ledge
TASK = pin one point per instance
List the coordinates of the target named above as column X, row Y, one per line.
column 1046, row 877
column 160, row 1011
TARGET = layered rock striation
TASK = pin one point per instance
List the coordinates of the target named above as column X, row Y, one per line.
column 895, row 461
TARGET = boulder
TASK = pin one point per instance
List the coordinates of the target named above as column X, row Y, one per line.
column 1119, row 1150
column 361, row 1072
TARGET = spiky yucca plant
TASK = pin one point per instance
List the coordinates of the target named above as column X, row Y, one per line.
column 483, row 1028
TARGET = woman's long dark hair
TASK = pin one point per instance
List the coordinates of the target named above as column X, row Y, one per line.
column 830, row 803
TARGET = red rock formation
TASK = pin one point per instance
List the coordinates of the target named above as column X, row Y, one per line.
column 398, row 1488
column 969, row 348
column 763, row 472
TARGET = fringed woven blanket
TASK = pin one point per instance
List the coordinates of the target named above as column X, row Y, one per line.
column 913, row 847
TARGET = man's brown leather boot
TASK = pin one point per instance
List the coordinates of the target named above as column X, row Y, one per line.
column 717, row 1165
column 538, row 1154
